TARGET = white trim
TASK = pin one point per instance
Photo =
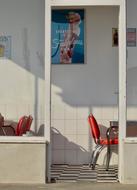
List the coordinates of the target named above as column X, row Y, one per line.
column 122, row 67
column 47, row 133
column 122, row 84
column 130, row 140
column 15, row 139
column 85, row 2
column 47, row 69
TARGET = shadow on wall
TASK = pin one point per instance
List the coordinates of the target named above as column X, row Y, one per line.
column 81, row 92
column 82, row 88
column 37, row 70
column 41, row 130
column 73, row 152
column 27, row 91
column 65, row 151
column 24, row 75
column 27, row 30
column 92, row 89
column 93, row 84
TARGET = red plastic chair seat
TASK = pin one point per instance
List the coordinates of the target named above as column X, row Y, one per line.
column 111, row 141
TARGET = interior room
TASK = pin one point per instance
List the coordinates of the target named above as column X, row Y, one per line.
column 79, row 89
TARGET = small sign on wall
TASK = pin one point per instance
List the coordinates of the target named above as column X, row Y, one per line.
column 114, row 37
column 131, row 37
column 5, row 47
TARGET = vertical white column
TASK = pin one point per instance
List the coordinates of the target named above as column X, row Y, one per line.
column 48, row 84
column 122, row 84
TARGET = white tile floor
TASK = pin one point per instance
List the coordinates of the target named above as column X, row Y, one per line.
column 74, row 173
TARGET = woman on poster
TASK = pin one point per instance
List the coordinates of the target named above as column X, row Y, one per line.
column 70, row 38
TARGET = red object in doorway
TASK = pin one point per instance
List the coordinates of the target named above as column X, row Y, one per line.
column 101, row 142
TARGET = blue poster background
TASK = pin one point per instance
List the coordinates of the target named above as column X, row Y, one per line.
column 5, row 47
column 60, row 25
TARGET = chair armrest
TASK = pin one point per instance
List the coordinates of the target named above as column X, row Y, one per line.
column 109, row 130
column 8, row 126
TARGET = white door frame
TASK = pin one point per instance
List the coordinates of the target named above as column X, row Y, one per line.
column 122, row 68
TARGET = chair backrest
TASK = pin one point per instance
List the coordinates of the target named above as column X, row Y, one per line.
column 94, row 128
column 21, row 126
column 29, row 122
column 1, row 120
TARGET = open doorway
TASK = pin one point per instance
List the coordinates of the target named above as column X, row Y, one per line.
column 80, row 89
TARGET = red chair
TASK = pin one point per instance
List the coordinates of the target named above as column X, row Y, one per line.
column 21, row 126
column 11, row 130
column 29, row 122
column 24, row 125
column 101, row 142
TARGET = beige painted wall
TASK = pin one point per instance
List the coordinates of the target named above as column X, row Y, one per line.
column 22, row 163
column 129, row 164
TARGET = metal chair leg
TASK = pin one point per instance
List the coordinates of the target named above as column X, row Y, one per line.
column 108, row 157
column 96, row 156
column 92, row 155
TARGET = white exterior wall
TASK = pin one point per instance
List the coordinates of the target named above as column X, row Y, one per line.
column 132, row 64
column 78, row 90
column 131, row 71
column 129, row 174
column 22, row 77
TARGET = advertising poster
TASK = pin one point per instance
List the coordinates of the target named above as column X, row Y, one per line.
column 67, row 43
column 5, row 47
column 131, row 37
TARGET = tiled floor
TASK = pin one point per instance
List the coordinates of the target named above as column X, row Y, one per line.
column 70, row 173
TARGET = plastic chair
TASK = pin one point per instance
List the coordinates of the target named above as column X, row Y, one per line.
column 29, row 122
column 24, row 125
column 21, row 126
column 10, row 130
column 100, row 142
